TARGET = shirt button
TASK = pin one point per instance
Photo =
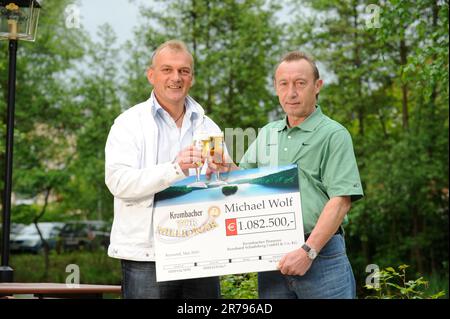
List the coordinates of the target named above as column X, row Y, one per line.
column 289, row 136
column 285, row 149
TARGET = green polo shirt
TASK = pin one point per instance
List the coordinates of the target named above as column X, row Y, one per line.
column 323, row 150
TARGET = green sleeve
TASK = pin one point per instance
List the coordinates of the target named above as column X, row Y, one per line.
column 340, row 173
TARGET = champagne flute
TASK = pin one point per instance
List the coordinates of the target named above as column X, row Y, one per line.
column 216, row 150
column 200, row 141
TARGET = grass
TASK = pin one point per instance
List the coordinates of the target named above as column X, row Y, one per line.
column 436, row 283
column 94, row 268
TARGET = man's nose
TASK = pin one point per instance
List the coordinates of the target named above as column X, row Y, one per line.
column 175, row 76
column 292, row 92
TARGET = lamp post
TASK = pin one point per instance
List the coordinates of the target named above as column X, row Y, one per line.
column 18, row 21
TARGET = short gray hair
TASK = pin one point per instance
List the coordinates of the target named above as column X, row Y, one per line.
column 175, row 45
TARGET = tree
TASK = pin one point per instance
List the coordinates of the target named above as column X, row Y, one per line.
column 419, row 147
column 234, row 45
column 44, row 111
column 390, row 90
column 97, row 98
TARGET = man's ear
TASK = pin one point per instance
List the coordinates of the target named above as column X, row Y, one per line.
column 319, row 84
column 150, row 73
column 274, row 82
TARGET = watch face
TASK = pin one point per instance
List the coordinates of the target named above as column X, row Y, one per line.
column 312, row 253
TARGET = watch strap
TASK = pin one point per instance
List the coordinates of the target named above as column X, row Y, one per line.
column 306, row 248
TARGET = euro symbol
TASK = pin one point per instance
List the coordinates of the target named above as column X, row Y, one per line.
column 232, row 227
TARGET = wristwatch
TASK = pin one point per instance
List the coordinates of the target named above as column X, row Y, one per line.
column 311, row 252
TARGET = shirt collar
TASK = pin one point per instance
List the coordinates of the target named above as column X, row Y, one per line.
column 313, row 120
column 190, row 108
column 155, row 104
column 309, row 124
column 281, row 124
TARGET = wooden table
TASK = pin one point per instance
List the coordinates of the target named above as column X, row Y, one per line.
column 56, row 290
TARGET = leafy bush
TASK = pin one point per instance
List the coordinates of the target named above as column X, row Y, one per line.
column 393, row 284
column 241, row 286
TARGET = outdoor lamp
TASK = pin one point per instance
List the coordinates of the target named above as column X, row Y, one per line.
column 18, row 21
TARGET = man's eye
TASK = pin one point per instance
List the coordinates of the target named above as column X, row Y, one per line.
column 301, row 84
column 166, row 70
column 186, row 72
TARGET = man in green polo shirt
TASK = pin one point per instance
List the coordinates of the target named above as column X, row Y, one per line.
column 329, row 182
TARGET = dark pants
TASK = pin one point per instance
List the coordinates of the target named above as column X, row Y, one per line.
column 139, row 282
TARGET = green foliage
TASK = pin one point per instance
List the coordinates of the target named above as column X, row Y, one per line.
column 234, row 43
column 242, row 286
column 393, row 284
column 95, row 267
column 438, row 282
column 25, row 214
column 389, row 87
column 96, row 91
column 45, row 117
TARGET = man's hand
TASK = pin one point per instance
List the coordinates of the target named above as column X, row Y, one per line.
column 296, row 263
column 190, row 157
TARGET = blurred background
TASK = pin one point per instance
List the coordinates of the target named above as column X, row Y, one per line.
column 385, row 71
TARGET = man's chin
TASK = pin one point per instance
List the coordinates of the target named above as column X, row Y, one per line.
column 292, row 110
column 177, row 96
column 179, row 100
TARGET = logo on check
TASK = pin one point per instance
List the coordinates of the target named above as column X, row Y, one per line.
column 231, row 227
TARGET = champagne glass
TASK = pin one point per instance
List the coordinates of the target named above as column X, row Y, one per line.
column 216, row 150
column 200, row 141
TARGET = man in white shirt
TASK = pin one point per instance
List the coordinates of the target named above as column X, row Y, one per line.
column 149, row 148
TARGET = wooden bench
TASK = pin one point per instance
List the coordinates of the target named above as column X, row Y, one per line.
column 57, row 290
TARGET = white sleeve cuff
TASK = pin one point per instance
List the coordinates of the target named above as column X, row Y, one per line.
column 174, row 173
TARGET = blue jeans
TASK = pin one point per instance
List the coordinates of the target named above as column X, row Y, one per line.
column 139, row 282
column 329, row 277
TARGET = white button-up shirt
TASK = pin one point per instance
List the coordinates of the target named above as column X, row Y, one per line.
column 137, row 166
column 171, row 139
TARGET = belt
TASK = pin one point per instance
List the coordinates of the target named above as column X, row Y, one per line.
column 340, row 231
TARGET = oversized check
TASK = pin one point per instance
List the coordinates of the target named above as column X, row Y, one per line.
column 244, row 226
